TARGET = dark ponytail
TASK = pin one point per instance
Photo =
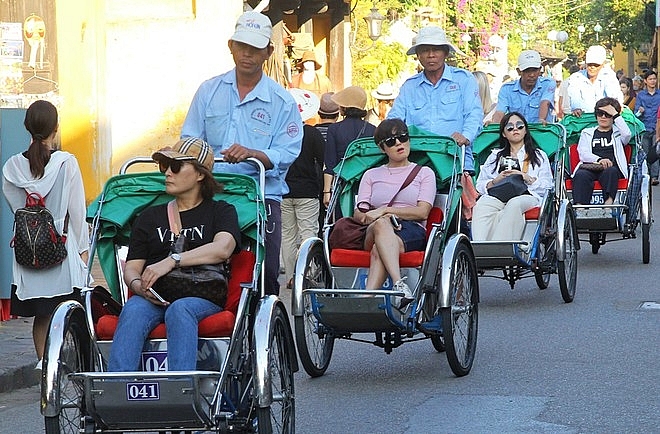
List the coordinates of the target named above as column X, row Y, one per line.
column 41, row 122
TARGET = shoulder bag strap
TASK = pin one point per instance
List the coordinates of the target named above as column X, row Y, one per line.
column 525, row 167
column 413, row 173
column 174, row 217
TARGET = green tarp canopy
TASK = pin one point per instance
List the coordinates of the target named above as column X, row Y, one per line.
column 440, row 153
column 574, row 125
column 125, row 196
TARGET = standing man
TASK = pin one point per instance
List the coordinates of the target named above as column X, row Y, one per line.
column 442, row 99
column 243, row 113
column 646, row 108
column 531, row 95
column 596, row 81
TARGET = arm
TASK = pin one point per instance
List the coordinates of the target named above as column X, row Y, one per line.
column 76, row 208
column 486, row 174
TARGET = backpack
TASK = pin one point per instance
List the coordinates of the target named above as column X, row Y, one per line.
column 36, row 242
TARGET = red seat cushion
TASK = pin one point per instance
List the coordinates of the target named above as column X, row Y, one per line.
column 574, row 159
column 533, row 214
column 220, row 324
column 361, row 258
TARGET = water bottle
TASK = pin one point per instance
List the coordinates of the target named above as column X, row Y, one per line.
column 638, row 113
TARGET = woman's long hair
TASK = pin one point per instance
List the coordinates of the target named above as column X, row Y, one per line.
column 484, row 91
column 531, row 151
column 209, row 186
column 41, row 122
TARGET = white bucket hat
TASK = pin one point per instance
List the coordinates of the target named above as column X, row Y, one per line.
column 308, row 103
column 432, row 35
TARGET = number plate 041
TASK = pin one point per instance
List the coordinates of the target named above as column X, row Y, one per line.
column 142, row 392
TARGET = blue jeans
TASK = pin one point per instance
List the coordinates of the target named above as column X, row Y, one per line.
column 139, row 317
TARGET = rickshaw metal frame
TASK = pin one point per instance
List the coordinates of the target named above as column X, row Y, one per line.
column 372, row 311
column 244, row 368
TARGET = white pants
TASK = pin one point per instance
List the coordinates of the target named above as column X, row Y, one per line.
column 300, row 220
column 494, row 220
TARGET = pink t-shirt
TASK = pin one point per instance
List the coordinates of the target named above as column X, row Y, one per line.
column 379, row 184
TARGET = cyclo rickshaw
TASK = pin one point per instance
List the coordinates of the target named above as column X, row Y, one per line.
column 329, row 301
column 550, row 242
column 246, row 355
column 632, row 205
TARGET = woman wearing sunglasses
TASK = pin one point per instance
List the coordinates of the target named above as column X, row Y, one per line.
column 603, row 145
column 210, row 227
column 396, row 224
column 493, row 219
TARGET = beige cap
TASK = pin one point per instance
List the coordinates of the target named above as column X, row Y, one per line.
column 188, row 149
column 352, row 96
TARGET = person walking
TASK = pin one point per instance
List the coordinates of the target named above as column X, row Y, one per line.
column 300, row 206
column 352, row 103
column 243, row 113
column 646, row 108
column 441, row 99
column 55, row 175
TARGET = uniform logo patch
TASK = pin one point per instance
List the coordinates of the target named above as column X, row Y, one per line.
column 292, row 129
column 261, row 115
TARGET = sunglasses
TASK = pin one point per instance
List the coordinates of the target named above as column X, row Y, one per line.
column 603, row 114
column 174, row 165
column 391, row 141
column 593, row 65
column 518, row 126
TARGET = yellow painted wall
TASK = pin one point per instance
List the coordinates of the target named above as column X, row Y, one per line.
column 621, row 61
column 127, row 72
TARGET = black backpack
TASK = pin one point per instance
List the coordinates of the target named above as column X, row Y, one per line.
column 36, row 242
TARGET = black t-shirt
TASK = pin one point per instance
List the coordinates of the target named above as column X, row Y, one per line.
column 602, row 144
column 151, row 238
column 305, row 174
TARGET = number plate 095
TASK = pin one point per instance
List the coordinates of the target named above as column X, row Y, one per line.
column 142, row 392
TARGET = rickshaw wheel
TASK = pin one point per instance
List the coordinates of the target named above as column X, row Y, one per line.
column 542, row 278
column 70, row 394
column 567, row 269
column 279, row 417
column 314, row 345
column 646, row 243
column 459, row 322
column 438, row 343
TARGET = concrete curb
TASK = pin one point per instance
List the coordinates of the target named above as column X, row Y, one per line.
column 17, row 356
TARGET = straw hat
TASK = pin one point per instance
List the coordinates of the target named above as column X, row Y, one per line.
column 310, row 56
column 352, row 96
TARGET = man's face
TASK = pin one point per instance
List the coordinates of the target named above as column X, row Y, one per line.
column 529, row 76
column 248, row 59
column 651, row 81
column 432, row 57
column 593, row 69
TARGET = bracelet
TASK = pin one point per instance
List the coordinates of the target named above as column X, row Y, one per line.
column 130, row 284
column 327, row 192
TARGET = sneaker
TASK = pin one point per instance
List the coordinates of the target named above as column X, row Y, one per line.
column 39, row 365
column 401, row 285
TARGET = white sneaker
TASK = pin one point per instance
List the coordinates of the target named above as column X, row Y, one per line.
column 408, row 296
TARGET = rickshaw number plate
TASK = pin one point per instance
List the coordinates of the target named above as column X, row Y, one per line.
column 154, row 361
column 142, row 391
column 597, row 199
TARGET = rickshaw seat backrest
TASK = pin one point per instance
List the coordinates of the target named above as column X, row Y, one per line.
column 220, row 324
column 361, row 258
column 574, row 159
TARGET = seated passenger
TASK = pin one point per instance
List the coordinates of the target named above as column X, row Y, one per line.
column 214, row 236
column 493, row 219
column 602, row 145
column 411, row 206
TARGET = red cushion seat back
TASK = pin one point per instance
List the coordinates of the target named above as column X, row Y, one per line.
column 220, row 324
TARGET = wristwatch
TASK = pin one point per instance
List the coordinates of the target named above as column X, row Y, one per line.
column 177, row 259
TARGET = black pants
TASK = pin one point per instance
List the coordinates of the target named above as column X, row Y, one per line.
column 583, row 184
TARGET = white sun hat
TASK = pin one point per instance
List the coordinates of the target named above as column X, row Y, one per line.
column 308, row 103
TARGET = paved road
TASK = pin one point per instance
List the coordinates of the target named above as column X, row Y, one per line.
column 542, row 366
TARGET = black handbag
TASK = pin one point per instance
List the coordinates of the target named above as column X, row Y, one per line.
column 205, row 281
column 592, row 167
column 508, row 188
